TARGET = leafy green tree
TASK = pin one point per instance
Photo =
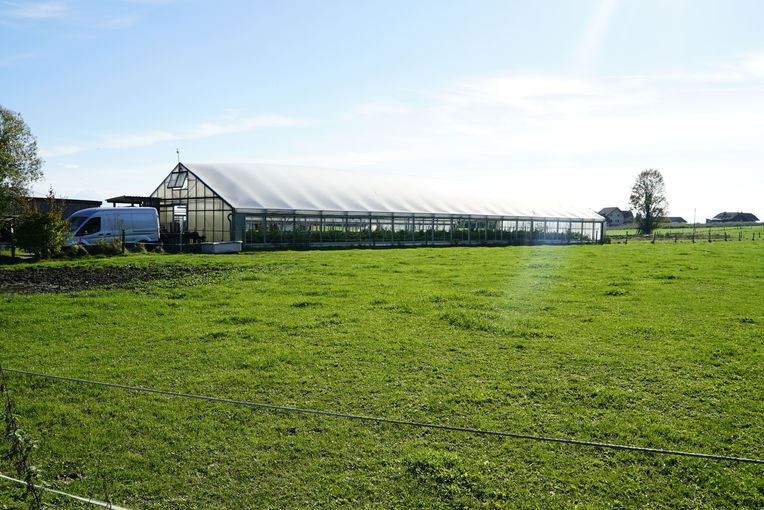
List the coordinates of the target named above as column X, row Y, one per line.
column 19, row 163
column 42, row 232
column 648, row 200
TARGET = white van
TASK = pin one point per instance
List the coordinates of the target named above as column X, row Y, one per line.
column 105, row 224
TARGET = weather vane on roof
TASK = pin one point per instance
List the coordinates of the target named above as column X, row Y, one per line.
column 178, row 153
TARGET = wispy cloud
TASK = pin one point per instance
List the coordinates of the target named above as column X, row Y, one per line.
column 544, row 114
column 18, row 57
column 752, row 64
column 60, row 150
column 207, row 129
column 118, row 23
column 378, row 108
column 578, row 129
column 152, row 2
column 130, row 140
column 36, row 10
column 85, row 21
column 201, row 130
column 230, row 125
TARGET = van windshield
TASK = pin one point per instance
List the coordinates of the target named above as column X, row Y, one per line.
column 75, row 222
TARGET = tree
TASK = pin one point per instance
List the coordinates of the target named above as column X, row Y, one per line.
column 19, row 163
column 648, row 200
column 42, row 232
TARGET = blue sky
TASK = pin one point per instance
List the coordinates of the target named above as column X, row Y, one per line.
column 562, row 101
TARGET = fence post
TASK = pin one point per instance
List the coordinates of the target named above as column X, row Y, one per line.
column 123, row 240
column 22, row 445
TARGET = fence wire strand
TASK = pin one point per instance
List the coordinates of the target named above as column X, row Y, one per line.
column 61, row 493
column 659, row 451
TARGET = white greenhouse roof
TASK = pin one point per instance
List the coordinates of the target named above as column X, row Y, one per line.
column 258, row 187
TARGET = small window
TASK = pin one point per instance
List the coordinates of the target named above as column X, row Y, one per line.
column 177, row 180
column 91, row 227
column 75, row 222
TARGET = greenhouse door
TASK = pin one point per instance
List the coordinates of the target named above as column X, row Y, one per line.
column 179, row 218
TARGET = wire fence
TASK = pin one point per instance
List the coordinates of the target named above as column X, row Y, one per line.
column 91, row 501
column 701, row 233
column 377, row 419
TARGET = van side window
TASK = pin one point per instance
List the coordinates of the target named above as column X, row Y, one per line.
column 91, row 227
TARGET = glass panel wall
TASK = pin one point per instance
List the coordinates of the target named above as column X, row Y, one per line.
column 409, row 229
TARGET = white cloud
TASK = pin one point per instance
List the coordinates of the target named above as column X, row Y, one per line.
column 152, row 2
column 232, row 124
column 91, row 183
column 573, row 139
column 118, row 23
column 378, row 108
column 59, row 150
column 587, row 136
column 207, row 129
column 127, row 141
column 37, row 10
column 18, row 57
column 538, row 94
column 753, row 63
column 540, row 115
column 71, row 166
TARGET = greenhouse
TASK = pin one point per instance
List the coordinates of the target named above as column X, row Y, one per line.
column 274, row 205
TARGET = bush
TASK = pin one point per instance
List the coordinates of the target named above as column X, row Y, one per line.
column 42, row 233
column 104, row 247
column 76, row 250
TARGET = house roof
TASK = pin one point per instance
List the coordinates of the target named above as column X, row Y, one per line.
column 735, row 216
column 257, row 187
column 608, row 210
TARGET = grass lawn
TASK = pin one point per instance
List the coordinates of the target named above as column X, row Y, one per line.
column 702, row 231
column 655, row 345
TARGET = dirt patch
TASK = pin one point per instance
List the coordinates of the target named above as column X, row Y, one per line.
column 66, row 279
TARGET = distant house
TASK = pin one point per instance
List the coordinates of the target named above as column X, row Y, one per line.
column 675, row 219
column 729, row 217
column 614, row 216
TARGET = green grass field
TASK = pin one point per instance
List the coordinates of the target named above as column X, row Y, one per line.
column 650, row 345
column 733, row 231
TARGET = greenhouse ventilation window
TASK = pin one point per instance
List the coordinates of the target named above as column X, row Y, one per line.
column 177, row 180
